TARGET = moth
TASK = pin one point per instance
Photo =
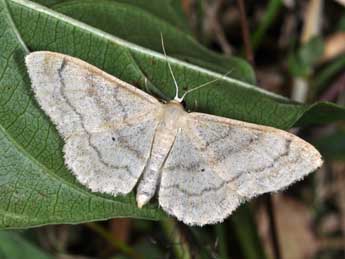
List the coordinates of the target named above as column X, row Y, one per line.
column 118, row 137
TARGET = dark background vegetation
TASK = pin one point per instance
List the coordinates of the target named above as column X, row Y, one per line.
column 296, row 49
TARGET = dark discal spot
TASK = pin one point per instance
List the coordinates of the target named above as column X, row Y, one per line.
column 112, row 138
column 202, row 170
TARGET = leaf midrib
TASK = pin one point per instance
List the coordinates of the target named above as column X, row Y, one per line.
column 131, row 46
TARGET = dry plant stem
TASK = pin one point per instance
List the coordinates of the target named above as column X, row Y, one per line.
column 186, row 5
column 61, row 241
column 320, row 186
column 250, row 58
column 213, row 13
column 342, row 2
column 312, row 20
column 288, row 30
column 300, row 89
column 334, row 47
column 221, row 235
column 176, row 239
column 118, row 244
column 312, row 26
column 120, row 228
column 340, row 179
column 322, row 79
column 334, row 90
column 223, row 42
column 245, row 32
column 341, row 182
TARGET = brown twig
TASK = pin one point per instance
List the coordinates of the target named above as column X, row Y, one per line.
column 120, row 228
column 245, row 32
column 186, row 5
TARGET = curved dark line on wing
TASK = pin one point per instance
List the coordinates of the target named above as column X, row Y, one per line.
column 99, row 155
column 205, row 146
column 216, row 188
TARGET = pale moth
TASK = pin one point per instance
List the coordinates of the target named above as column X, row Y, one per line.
column 117, row 137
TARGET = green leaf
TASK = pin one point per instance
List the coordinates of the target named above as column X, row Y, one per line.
column 341, row 24
column 142, row 25
column 325, row 76
column 168, row 10
column 311, row 52
column 332, row 146
column 245, row 229
column 301, row 63
column 13, row 246
column 35, row 186
column 271, row 12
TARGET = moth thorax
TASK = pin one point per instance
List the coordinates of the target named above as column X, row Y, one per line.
column 173, row 113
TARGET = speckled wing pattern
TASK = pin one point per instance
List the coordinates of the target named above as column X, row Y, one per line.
column 97, row 115
column 216, row 163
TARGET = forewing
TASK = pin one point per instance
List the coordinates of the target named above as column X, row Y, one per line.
column 108, row 125
column 240, row 160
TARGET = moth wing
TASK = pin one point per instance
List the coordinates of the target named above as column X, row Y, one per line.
column 107, row 124
column 216, row 163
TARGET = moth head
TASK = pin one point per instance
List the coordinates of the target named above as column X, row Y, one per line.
column 180, row 99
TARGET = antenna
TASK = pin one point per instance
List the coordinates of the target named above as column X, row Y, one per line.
column 176, row 98
column 204, row 84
